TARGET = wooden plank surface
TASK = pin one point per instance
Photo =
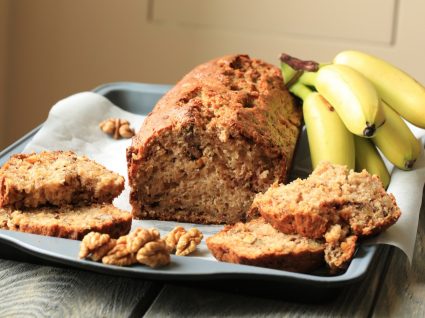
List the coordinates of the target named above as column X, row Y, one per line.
column 180, row 301
column 28, row 290
column 403, row 290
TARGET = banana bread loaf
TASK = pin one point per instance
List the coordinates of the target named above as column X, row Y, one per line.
column 71, row 222
column 56, row 178
column 332, row 194
column 226, row 131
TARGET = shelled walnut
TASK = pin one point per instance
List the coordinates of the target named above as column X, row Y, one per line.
column 188, row 242
column 120, row 255
column 182, row 241
column 140, row 237
column 154, row 254
column 173, row 237
column 95, row 245
column 117, row 128
column 142, row 245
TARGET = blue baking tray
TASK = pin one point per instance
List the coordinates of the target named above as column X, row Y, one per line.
column 140, row 98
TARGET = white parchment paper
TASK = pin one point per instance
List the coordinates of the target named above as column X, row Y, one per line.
column 73, row 124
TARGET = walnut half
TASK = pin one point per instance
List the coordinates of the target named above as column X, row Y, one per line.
column 120, row 255
column 95, row 245
column 182, row 241
column 154, row 254
column 117, row 128
column 142, row 245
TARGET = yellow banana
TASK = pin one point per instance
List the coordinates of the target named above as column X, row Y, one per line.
column 396, row 141
column 328, row 138
column 368, row 157
column 353, row 96
column 399, row 90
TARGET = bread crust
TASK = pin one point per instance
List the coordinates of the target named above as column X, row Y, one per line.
column 72, row 222
column 233, row 98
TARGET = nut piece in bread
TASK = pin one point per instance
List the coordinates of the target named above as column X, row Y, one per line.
column 226, row 131
column 56, row 178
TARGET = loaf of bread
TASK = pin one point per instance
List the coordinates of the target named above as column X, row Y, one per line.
column 332, row 194
column 56, row 178
column 71, row 222
column 225, row 132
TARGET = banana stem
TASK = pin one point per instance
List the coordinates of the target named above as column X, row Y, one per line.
column 300, row 90
column 308, row 78
column 299, row 65
column 288, row 74
column 294, row 70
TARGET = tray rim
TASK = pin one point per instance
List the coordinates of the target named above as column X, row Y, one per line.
column 370, row 252
column 20, row 241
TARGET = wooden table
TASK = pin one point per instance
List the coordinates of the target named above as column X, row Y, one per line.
column 391, row 289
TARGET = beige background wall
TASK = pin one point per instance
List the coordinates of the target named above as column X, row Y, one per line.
column 53, row 48
column 4, row 46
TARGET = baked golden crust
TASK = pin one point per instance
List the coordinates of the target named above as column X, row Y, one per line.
column 243, row 96
column 71, row 222
column 257, row 243
column 56, row 178
column 236, row 124
column 332, row 194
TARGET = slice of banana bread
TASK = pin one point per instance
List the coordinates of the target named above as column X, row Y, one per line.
column 71, row 222
column 260, row 244
column 56, row 178
column 332, row 194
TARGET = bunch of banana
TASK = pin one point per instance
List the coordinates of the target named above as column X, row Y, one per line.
column 368, row 96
